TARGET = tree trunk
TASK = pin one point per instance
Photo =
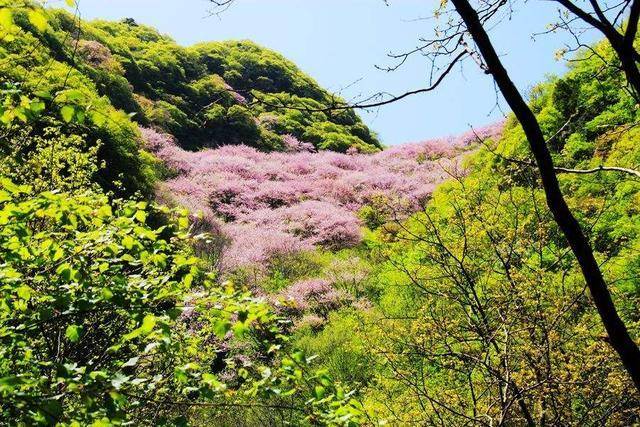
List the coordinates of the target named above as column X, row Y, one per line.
column 619, row 337
column 626, row 54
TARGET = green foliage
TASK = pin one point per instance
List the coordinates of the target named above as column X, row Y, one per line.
column 480, row 291
column 89, row 300
column 43, row 91
column 342, row 346
column 49, row 161
column 107, row 318
column 201, row 94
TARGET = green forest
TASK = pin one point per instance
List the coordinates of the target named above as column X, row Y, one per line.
column 204, row 235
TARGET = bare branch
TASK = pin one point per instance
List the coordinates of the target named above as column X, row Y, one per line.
column 365, row 105
column 600, row 169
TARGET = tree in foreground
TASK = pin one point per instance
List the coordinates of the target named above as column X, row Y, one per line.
column 105, row 316
column 473, row 22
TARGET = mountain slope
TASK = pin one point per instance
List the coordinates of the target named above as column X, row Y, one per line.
column 202, row 94
column 101, row 80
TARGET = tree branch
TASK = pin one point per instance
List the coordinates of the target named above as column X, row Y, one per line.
column 585, row 16
column 366, row 105
column 601, row 168
column 632, row 24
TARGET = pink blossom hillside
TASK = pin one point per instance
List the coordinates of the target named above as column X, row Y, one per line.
column 278, row 203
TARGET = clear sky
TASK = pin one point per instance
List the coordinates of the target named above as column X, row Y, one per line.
column 339, row 42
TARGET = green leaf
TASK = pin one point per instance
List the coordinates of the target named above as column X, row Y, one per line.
column 148, row 323
column 128, row 242
column 298, row 356
column 52, row 407
column 319, row 391
column 106, row 294
column 73, row 95
column 73, row 333
column 37, row 18
column 58, row 254
column 67, row 112
column 24, row 292
column 221, row 327
column 95, row 375
column 240, row 329
column 104, row 422
column 98, row 118
column 64, row 271
column 6, row 19
column 188, row 280
column 11, row 187
column 141, row 216
column 37, row 106
column 42, row 94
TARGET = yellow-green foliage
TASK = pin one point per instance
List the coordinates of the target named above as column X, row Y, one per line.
column 478, row 301
column 203, row 94
column 40, row 86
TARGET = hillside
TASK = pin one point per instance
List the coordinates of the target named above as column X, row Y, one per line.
column 274, row 205
column 114, row 76
column 203, row 94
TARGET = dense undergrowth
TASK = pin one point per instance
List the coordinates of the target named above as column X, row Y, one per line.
column 429, row 279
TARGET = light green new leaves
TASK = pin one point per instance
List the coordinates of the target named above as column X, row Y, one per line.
column 67, row 112
column 148, row 323
column 72, row 333
column 38, row 19
column 8, row 28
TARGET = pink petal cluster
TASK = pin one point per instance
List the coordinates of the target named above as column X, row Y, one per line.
column 313, row 295
column 294, row 145
column 277, row 203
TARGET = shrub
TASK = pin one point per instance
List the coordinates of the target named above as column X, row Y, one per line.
column 315, row 296
column 50, row 161
column 89, row 297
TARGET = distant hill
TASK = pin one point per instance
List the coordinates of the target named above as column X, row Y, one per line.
column 202, row 94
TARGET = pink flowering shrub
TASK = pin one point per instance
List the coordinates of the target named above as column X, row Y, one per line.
column 312, row 321
column 254, row 245
column 315, row 296
column 294, row 145
column 315, row 222
column 270, row 204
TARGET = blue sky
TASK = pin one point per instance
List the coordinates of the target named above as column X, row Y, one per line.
column 339, row 42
